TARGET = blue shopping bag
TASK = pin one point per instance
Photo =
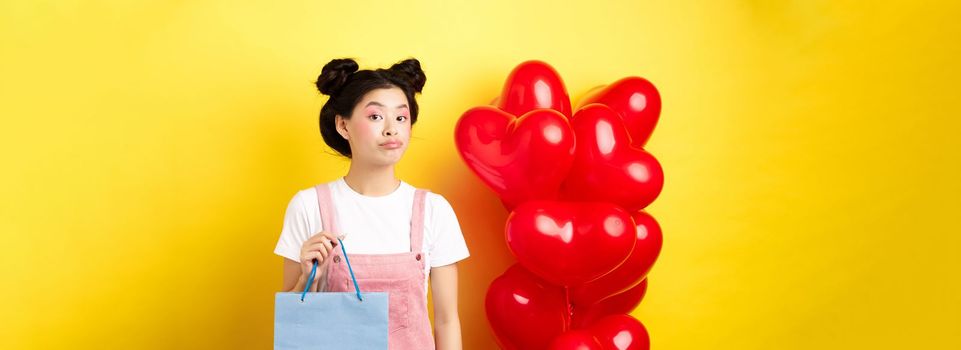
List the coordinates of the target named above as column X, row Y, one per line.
column 328, row 320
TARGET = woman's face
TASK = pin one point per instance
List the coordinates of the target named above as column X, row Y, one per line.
column 379, row 127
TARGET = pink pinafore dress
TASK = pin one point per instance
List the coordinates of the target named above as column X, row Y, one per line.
column 401, row 275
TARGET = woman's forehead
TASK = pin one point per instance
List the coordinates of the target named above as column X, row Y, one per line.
column 384, row 98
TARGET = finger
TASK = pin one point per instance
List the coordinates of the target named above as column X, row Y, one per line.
column 330, row 243
column 309, row 258
column 316, row 246
column 333, row 237
column 317, row 238
column 317, row 241
column 324, row 253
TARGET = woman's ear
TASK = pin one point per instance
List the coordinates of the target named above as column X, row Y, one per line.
column 341, row 125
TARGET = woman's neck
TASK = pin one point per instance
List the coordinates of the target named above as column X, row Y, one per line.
column 371, row 181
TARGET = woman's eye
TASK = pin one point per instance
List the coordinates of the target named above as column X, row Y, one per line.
column 402, row 118
column 374, row 116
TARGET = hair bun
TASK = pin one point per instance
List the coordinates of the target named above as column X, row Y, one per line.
column 334, row 75
column 409, row 70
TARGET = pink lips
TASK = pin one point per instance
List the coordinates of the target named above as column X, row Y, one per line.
column 392, row 145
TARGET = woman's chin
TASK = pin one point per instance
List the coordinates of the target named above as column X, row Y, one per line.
column 390, row 158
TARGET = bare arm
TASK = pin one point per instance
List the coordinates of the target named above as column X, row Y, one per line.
column 294, row 280
column 443, row 281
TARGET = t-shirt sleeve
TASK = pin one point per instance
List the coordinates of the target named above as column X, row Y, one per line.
column 448, row 245
column 296, row 228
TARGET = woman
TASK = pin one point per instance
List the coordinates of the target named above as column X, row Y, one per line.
column 395, row 235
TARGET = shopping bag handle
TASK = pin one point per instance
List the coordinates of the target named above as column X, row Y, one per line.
column 313, row 272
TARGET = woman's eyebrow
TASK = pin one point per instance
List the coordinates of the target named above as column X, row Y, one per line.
column 375, row 103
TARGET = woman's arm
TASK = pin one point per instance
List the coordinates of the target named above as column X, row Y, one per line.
column 293, row 279
column 443, row 287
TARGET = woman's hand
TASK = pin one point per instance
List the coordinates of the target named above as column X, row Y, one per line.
column 320, row 246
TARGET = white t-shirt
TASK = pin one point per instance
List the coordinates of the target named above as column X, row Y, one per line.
column 375, row 225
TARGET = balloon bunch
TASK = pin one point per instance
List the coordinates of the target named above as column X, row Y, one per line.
column 575, row 183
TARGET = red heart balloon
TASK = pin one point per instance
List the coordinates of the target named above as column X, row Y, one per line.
column 621, row 332
column 632, row 271
column 606, row 167
column 524, row 312
column 576, row 340
column 520, row 159
column 534, row 85
column 569, row 243
column 621, row 303
column 636, row 100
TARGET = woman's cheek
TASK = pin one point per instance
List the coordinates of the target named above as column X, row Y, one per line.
column 364, row 130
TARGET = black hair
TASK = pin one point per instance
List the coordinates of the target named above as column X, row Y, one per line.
column 345, row 85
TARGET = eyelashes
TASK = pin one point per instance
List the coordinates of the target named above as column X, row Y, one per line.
column 374, row 116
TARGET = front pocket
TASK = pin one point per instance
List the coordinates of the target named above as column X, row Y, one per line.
column 398, row 291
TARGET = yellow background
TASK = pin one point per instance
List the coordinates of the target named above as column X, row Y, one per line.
column 811, row 151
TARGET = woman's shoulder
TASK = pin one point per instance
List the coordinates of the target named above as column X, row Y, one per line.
column 434, row 198
column 438, row 205
column 310, row 193
column 304, row 199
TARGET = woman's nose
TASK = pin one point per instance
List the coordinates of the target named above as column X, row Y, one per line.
column 390, row 129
